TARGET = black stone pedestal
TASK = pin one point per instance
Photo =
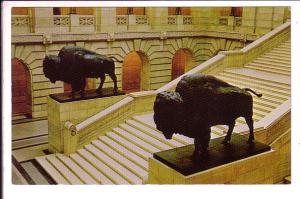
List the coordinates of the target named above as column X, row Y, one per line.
column 180, row 159
column 90, row 94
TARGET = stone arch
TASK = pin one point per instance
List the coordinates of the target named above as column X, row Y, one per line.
column 135, row 72
column 21, row 88
column 182, row 62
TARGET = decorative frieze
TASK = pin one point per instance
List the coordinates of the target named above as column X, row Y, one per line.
column 141, row 19
column 20, row 21
column 86, row 20
column 122, row 20
column 187, row 20
column 61, row 20
column 172, row 20
column 223, row 21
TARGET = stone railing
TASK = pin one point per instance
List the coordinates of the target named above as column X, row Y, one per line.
column 237, row 21
column 61, row 20
column 223, row 20
column 122, row 19
column 180, row 19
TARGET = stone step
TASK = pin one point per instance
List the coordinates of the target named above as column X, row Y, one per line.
column 258, row 75
column 153, row 133
column 125, row 152
column 281, row 52
column 90, row 169
column 121, row 170
column 77, row 170
column 129, row 145
column 128, row 164
column 277, row 66
column 265, row 69
column 51, row 170
column 103, row 168
column 158, row 144
column 274, row 93
column 64, row 170
column 148, row 121
column 135, row 140
column 277, row 58
column 256, row 81
column 278, row 55
column 271, row 61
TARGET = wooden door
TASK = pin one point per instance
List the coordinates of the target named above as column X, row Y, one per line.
column 131, row 78
column 21, row 99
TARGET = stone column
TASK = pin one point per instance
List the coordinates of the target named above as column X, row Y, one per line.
column 108, row 20
column 248, row 19
column 43, row 20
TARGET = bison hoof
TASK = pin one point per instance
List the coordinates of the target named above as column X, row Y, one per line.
column 99, row 91
column 115, row 92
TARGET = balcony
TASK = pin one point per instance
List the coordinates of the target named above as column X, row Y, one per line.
column 20, row 24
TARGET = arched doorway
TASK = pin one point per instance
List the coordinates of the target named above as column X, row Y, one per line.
column 135, row 72
column 182, row 62
column 21, row 88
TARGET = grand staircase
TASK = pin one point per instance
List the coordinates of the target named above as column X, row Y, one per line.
column 121, row 155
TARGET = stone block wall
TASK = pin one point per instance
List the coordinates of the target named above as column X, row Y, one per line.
column 59, row 113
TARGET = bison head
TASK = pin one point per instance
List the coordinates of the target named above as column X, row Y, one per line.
column 51, row 67
column 168, row 113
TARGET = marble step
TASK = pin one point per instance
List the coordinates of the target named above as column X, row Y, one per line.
column 279, row 55
column 275, row 66
column 125, row 152
column 274, row 61
column 90, row 169
column 157, row 143
column 276, row 58
column 114, row 165
column 153, row 133
column 51, row 170
column 77, row 170
column 255, row 81
column 111, row 174
column 63, row 169
column 115, row 155
column 270, row 92
column 268, row 69
column 135, row 140
column 259, row 75
column 129, row 145
column 281, row 52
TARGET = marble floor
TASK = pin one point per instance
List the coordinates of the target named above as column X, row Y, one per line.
column 29, row 140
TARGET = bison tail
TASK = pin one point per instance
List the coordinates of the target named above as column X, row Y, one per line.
column 248, row 89
column 115, row 59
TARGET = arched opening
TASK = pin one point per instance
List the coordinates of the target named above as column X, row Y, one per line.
column 130, row 11
column 21, row 89
column 135, row 72
column 182, row 62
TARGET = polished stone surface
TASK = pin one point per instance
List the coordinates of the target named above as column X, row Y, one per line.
column 180, row 159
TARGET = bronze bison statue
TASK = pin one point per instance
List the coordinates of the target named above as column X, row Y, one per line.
column 74, row 64
column 198, row 103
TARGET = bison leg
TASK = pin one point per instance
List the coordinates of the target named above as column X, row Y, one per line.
column 249, row 122
column 229, row 133
column 114, row 78
column 102, row 79
column 82, row 86
column 201, row 145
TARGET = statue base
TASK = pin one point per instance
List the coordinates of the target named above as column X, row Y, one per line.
column 89, row 94
column 233, row 163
